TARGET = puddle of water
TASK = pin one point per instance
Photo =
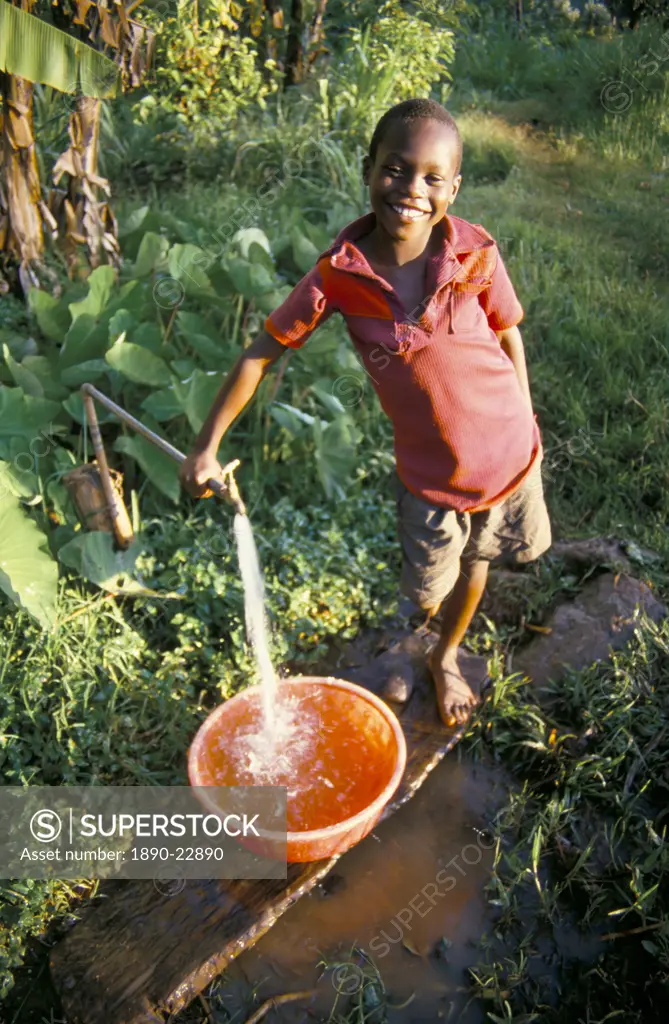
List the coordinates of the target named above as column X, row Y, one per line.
column 419, row 878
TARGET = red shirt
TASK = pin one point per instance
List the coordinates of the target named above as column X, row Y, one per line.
column 465, row 436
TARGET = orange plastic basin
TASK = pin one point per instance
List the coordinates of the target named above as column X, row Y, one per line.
column 342, row 766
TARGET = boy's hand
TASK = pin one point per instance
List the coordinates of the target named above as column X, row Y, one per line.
column 197, row 469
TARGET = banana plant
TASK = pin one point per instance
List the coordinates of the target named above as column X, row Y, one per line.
column 33, row 50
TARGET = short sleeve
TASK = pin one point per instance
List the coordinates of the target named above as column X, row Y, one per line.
column 499, row 301
column 306, row 308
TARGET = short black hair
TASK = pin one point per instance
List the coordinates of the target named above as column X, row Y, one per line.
column 416, row 110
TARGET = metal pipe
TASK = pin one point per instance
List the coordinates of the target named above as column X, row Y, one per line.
column 228, row 492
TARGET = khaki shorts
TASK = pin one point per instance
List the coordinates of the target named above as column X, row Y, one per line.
column 438, row 543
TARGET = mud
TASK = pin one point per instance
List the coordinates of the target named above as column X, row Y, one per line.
column 411, row 896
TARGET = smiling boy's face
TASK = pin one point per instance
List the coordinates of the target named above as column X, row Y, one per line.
column 413, row 178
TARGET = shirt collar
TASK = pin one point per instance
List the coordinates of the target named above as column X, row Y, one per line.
column 460, row 239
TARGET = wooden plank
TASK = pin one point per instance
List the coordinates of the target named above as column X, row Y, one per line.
column 141, row 954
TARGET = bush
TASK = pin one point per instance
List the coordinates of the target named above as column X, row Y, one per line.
column 378, row 67
column 205, row 70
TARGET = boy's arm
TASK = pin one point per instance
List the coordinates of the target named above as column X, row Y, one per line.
column 512, row 344
column 237, row 390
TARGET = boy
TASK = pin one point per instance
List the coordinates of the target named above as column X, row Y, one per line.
column 431, row 310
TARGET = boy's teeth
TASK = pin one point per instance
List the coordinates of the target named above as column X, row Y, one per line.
column 406, row 211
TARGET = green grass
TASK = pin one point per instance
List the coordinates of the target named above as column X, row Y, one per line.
column 581, row 862
column 578, row 200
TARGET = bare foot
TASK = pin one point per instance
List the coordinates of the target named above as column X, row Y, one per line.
column 455, row 697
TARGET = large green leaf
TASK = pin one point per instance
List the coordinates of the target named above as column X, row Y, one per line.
column 28, row 573
column 149, row 335
column 270, row 301
column 138, row 364
column 201, row 337
column 246, row 237
column 250, row 279
column 193, row 323
column 162, row 405
column 295, row 414
column 305, row 252
column 185, row 264
column 23, row 416
column 196, row 395
column 74, row 406
column 287, row 418
column 160, row 468
column 100, row 285
column 123, row 321
column 93, row 555
column 86, row 339
column 152, row 251
column 51, row 314
column 324, row 391
column 22, row 377
column 22, row 483
column 257, row 254
column 45, row 368
column 84, row 373
column 133, row 221
column 335, row 454
column 35, row 50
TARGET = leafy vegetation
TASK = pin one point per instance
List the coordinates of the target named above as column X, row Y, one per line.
column 216, row 223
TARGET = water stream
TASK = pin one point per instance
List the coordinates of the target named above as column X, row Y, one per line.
column 256, row 621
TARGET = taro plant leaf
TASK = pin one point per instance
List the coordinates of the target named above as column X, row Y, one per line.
column 184, row 368
column 246, row 237
column 132, row 221
column 324, row 391
column 258, row 254
column 93, row 555
column 186, row 263
column 28, row 573
column 197, row 334
column 21, row 482
column 193, row 323
column 138, row 364
column 22, row 377
column 74, row 406
column 319, row 235
column 305, row 417
column 250, row 279
column 24, row 416
column 305, row 252
column 84, row 373
column 161, row 470
column 152, row 252
column 135, row 296
column 196, row 395
column 335, row 454
column 52, row 315
column 209, row 350
column 269, row 301
column 287, row 419
column 162, row 405
column 86, row 339
column 339, row 215
column 122, row 321
column 149, row 336
column 45, row 368
column 100, row 285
